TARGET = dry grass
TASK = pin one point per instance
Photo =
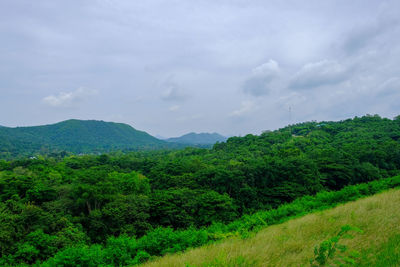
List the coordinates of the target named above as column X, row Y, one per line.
column 292, row 243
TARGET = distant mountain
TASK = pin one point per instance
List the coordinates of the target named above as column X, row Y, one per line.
column 198, row 139
column 160, row 137
column 76, row 136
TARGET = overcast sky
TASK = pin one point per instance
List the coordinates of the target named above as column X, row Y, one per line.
column 172, row 67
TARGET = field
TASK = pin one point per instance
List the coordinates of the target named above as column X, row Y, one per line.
column 292, row 243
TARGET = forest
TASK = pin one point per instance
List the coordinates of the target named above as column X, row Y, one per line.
column 124, row 208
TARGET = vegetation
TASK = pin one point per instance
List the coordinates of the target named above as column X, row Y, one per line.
column 327, row 252
column 74, row 136
column 198, row 139
column 292, row 243
column 71, row 244
column 121, row 209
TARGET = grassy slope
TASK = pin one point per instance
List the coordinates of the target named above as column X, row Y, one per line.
column 292, row 243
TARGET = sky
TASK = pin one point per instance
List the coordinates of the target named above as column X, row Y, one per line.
column 172, row 67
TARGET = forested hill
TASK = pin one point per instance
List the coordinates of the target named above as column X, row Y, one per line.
column 76, row 136
column 198, row 139
column 89, row 205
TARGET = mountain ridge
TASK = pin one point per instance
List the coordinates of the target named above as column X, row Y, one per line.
column 198, row 138
column 76, row 136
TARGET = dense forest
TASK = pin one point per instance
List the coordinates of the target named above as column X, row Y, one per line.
column 198, row 138
column 90, row 137
column 75, row 136
column 50, row 204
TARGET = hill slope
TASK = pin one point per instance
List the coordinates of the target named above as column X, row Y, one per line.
column 198, row 138
column 75, row 136
column 292, row 243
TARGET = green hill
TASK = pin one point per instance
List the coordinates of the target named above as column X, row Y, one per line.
column 77, row 136
column 198, row 139
column 292, row 243
column 127, row 208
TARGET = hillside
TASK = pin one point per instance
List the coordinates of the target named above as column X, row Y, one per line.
column 126, row 208
column 76, row 136
column 198, row 139
column 292, row 243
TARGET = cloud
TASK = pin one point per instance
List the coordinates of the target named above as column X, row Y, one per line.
column 372, row 33
column 190, row 118
column 320, row 73
column 360, row 37
column 246, row 107
column 174, row 108
column 173, row 93
column 68, row 99
column 259, row 83
column 128, row 49
column 389, row 87
column 269, row 69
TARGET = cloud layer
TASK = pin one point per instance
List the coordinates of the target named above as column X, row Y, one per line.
column 69, row 99
column 319, row 73
column 233, row 67
column 262, row 78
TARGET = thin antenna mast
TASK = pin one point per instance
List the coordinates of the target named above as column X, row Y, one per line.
column 290, row 120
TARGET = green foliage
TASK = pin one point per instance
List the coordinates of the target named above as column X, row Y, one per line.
column 199, row 139
column 127, row 250
column 124, row 208
column 181, row 208
column 74, row 136
column 335, row 254
column 78, row 256
column 166, row 240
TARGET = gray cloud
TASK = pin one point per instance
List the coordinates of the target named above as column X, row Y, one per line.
column 390, row 87
column 260, row 82
column 360, row 38
column 125, row 49
column 174, row 108
column 319, row 73
column 372, row 32
column 173, row 93
column 245, row 108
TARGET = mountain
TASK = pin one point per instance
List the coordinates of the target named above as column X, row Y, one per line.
column 160, row 137
column 77, row 136
column 198, row 139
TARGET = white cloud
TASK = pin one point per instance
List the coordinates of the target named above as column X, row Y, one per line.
column 174, row 108
column 268, row 69
column 246, row 107
column 320, row 73
column 173, row 93
column 68, row 99
column 260, row 82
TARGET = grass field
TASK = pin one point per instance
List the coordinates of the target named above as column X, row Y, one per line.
column 292, row 243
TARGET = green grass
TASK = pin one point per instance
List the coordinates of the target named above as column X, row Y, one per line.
column 386, row 255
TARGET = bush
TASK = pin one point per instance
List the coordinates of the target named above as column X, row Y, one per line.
column 78, row 256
